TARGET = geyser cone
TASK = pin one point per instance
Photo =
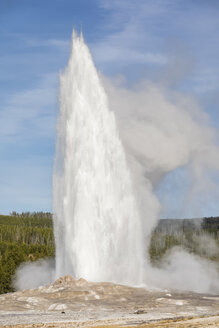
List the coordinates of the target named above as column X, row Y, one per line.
column 97, row 225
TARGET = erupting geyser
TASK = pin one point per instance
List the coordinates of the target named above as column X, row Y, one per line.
column 99, row 232
column 98, row 228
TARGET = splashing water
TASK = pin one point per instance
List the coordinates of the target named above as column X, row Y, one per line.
column 98, row 229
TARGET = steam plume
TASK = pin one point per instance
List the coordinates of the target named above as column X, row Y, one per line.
column 102, row 213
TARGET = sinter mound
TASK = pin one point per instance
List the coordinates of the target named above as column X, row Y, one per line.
column 80, row 301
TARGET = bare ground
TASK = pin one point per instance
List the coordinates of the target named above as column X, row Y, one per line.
column 78, row 303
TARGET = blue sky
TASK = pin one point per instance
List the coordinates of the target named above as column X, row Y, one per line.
column 175, row 41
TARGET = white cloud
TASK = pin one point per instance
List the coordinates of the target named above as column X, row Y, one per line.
column 30, row 112
column 109, row 52
column 140, row 32
column 27, row 136
column 206, row 80
column 122, row 10
column 128, row 37
column 58, row 43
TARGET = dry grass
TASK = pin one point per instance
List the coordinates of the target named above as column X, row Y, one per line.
column 197, row 322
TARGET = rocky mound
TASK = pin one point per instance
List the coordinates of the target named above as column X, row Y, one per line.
column 70, row 281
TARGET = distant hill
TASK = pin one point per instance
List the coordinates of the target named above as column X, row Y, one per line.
column 209, row 224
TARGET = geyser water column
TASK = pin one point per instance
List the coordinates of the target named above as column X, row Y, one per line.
column 98, row 231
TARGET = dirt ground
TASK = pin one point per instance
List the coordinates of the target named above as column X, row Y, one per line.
column 212, row 322
column 78, row 303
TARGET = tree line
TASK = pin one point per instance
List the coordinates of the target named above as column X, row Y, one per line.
column 197, row 236
column 29, row 237
column 23, row 237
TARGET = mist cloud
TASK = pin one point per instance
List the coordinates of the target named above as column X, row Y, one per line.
column 35, row 274
column 164, row 131
column 183, row 271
